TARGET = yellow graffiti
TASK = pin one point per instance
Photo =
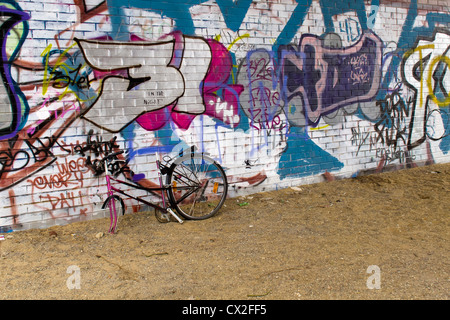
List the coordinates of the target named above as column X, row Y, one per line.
column 428, row 78
column 46, row 78
column 58, row 63
column 319, row 128
column 67, row 90
column 436, row 60
column 421, row 66
column 230, row 46
column 237, row 39
column 62, row 65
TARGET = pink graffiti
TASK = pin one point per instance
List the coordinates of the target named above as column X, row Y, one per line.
column 223, row 107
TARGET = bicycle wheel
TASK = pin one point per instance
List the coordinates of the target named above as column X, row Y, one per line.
column 198, row 186
column 114, row 203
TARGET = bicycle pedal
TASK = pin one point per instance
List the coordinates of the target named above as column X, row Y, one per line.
column 169, row 210
column 162, row 217
column 165, row 216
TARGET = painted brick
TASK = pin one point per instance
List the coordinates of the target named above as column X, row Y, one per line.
column 229, row 64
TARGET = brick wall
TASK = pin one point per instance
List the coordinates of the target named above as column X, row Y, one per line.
column 280, row 92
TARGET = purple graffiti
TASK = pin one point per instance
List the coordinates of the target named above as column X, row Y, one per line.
column 324, row 79
column 14, row 109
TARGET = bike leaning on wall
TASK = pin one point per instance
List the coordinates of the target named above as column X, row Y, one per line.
column 195, row 188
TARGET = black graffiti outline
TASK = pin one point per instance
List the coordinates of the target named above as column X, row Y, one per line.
column 14, row 17
column 394, row 110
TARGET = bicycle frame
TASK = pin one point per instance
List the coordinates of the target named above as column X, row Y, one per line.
column 112, row 189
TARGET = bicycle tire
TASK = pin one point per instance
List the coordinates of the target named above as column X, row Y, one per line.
column 198, row 186
column 120, row 210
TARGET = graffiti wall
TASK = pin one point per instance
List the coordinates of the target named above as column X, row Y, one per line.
column 280, row 92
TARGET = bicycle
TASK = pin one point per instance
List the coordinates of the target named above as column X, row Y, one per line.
column 195, row 188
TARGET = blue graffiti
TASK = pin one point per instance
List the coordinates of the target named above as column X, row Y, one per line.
column 407, row 40
column 176, row 10
column 294, row 23
column 302, row 157
column 73, row 74
column 329, row 8
column 12, row 15
column 233, row 13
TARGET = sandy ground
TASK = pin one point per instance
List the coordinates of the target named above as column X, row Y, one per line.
column 317, row 242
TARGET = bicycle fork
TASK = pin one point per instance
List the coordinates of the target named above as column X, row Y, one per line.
column 112, row 207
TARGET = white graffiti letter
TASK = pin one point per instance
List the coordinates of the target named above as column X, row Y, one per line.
column 138, row 77
column 139, row 80
column 420, row 72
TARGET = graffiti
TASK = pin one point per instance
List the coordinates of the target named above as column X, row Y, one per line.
column 435, row 117
column 424, row 69
column 276, row 92
column 359, row 73
column 31, row 150
column 31, row 153
column 233, row 13
column 94, row 144
column 140, row 73
column 14, row 108
column 361, row 138
column 161, row 71
column 391, row 126
column 261, row 100
column 89, row 8
column 329, row 9
column 46, row 115
column 390, row 154
column 350, row 27
column 320, row 80
column 69, row 73
column 63, row 200
column 69, row 175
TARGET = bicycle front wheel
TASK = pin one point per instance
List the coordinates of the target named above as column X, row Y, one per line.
column 198, row 186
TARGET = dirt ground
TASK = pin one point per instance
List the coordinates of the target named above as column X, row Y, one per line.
column 320, row 241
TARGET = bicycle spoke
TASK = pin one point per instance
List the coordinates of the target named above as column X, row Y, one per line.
column 201, row 186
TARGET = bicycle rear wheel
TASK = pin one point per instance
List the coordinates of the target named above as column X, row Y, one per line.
column 198, row 186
